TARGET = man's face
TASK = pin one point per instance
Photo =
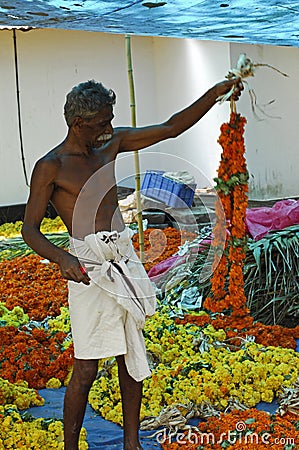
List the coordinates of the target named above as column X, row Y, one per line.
column 98, row 130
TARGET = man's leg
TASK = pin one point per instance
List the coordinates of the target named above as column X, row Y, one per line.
column 131, row 394
column 75, row 400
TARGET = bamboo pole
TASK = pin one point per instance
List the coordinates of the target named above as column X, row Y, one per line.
column 136, row 154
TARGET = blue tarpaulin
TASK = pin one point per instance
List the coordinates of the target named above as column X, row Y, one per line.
column 255, row 22
column 102, row 434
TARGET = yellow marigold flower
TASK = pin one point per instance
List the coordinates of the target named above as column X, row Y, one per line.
column 53, row 383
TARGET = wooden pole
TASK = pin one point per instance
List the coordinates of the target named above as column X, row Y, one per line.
column 136, row 154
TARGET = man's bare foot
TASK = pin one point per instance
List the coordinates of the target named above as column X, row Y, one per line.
column 133, row 447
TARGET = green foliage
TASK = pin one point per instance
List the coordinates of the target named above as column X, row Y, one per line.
column 271, row 280
column 227, row 186
column 271, row 276
column 13, row 247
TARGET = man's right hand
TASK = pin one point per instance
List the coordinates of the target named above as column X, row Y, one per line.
column 234, row 85
column 71, row 269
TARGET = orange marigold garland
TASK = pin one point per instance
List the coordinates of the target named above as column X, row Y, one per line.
column 237, row 328
column 229, row 241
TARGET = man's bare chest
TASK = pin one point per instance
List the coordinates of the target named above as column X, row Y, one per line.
column 78, row 176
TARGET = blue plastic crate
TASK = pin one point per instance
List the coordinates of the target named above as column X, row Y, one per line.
column 170, row 192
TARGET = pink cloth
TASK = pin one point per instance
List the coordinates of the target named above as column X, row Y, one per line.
column 283, row 214
column 163, row 267
column 157, row 272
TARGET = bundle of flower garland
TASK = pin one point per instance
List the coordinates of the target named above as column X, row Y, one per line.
column 229, row 232
column 232, row 186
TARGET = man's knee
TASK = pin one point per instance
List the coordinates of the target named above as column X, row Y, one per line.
column 85, row 371
column 120, row 360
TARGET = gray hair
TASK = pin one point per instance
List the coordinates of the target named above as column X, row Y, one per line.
column 86, row 100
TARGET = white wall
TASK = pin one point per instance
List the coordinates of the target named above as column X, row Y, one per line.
column 182, row 71
column 272, row 143
column 51, row 62
column 186, row 69
column 169, row 74
column 12, row 183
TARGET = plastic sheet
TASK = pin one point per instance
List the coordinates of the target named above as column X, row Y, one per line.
column 284, row 213
column 102, row 434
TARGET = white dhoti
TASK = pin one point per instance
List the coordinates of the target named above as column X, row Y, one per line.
column 107, row 316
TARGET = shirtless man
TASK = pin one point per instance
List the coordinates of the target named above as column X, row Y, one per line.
column 88, row 153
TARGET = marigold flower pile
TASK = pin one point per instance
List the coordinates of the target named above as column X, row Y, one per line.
column 199, row 358
column 13, row 229
column 19, row 394
column 31, row 356
column 161, row 244
column 239, row 430
column 183, row 374
column 35, row 286
column 34, row 356
column 17, row 431
column 237, row 328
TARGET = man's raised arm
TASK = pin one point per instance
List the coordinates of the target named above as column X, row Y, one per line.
column 138, row 138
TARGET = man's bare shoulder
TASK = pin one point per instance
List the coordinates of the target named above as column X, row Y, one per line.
column 48, row 165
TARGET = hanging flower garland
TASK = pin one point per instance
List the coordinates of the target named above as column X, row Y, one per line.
column 232, row 187
column 229, row 231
